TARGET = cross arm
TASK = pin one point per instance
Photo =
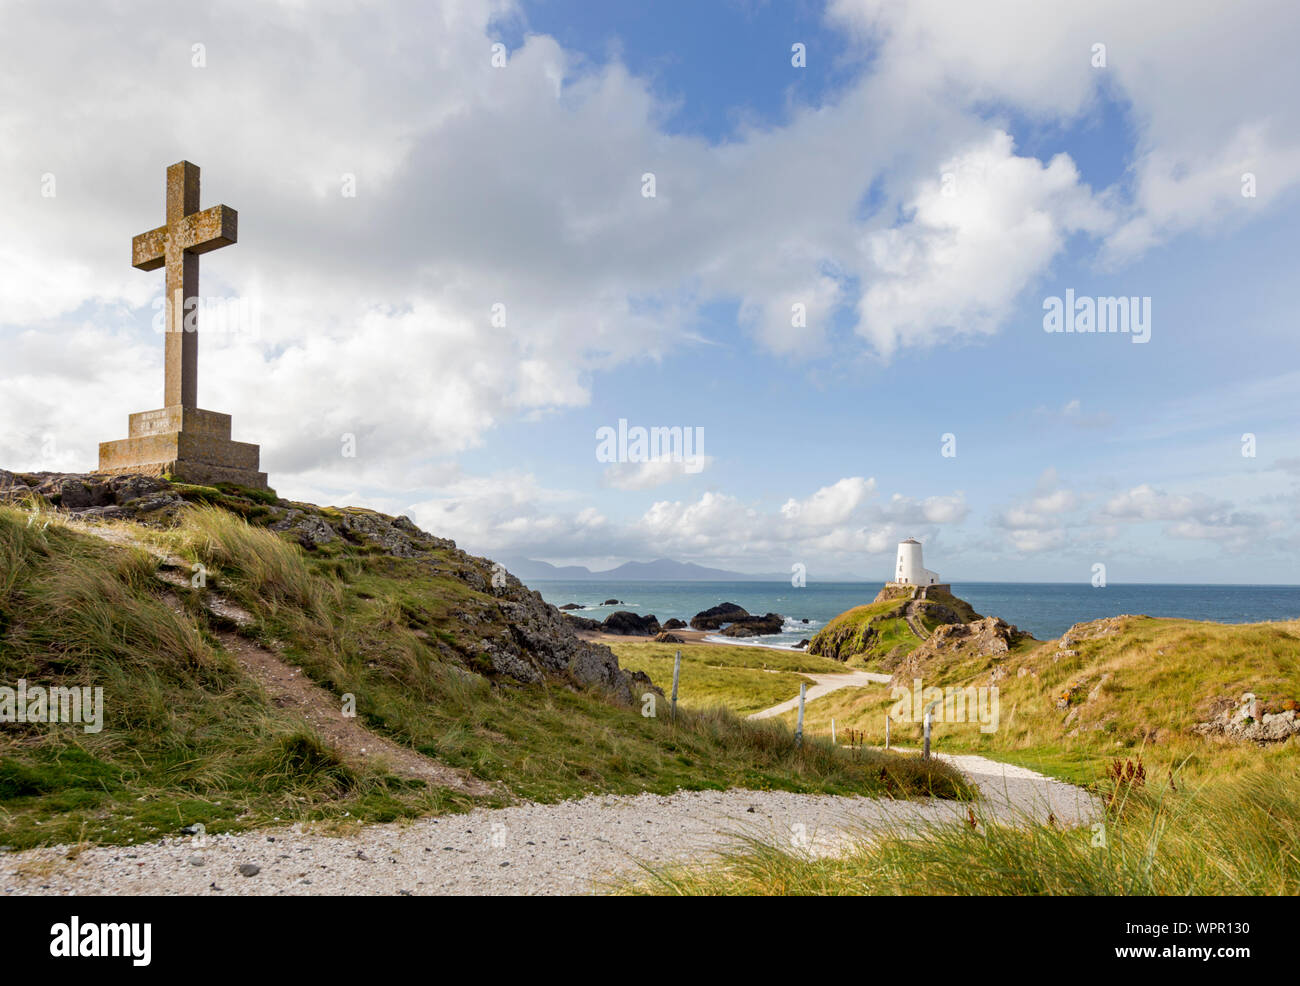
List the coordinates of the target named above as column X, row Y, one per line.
column 199, row 232
column 148, row 250
column 211, row 229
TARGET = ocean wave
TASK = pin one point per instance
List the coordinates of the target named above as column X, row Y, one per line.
column 767, row 641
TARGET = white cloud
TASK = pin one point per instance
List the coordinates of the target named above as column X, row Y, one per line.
column 475, row 187
column 1039, row 522
column 521, row 187
column 1193, row 517
column 841, row 524
column 957, row 265
column 655, row 472
column 1209, row 88
column 513, row 515
column 830, row 505
column 1144, row 502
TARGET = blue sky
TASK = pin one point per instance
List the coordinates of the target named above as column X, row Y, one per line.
column 1005, row 397
column 823, row 185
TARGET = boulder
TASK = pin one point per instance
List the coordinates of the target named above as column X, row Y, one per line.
column 310, row 530
column 675, row 624
column 570, row 606
column 714, row 617
column 612, row 602
column 12, row 485
column 630, row 624
column 988, row 636
column 802, row 644
column 755, row 626
column 582, row 623
column 1248, row 720
column 983, row 638
column 668, row 638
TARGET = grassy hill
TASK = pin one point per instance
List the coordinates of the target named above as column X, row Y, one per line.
column 1112, row 688
column 877, row 636
column 137, row 587
column 1113, row 705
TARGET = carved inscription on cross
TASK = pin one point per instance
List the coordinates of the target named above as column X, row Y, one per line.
column 177, row 246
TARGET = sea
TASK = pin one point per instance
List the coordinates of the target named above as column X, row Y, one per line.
column 1045, row 609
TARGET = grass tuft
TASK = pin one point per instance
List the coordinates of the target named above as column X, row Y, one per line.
column 1235, row 837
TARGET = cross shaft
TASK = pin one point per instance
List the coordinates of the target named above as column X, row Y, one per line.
column 177, row 245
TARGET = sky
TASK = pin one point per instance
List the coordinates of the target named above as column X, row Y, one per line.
column 822, row 237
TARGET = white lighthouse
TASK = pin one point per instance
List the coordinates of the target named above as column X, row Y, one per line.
column 909, row 570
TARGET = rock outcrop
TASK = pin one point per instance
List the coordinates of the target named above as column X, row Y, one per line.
column 1249, row 720
column 755, row 626
column 735, row 621
column 519, row 635
column 986, row 637
column 630, row 624
column 983, row 638
column 129, row 497
column 715, row 616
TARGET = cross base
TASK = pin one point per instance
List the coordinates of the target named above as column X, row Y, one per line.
column 184, row 443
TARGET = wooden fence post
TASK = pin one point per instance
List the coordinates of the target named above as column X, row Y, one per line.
column 677, row 671
column 798, row 730
column 925, row 750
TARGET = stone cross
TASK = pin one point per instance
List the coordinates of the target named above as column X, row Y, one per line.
column 177, row 246
column 180, row 440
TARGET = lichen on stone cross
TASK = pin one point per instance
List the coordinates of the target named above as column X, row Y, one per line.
column 177, row 245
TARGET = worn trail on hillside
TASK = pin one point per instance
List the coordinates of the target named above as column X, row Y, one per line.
column 571, row 847
column 289, row 688
column 914, row 621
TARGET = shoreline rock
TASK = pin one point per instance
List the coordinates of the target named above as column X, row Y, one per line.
column 715, row 616
column 630, row 624
column 755, row 626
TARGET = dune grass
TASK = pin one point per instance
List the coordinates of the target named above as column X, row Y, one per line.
column 1233, row 837
column 188, row 738
column 1140, row 687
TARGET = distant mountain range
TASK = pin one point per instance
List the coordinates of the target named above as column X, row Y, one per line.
column 661, row 570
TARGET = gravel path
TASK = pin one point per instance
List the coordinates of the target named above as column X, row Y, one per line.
column 571, row 847
column 825, row 684
column 566, row 848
